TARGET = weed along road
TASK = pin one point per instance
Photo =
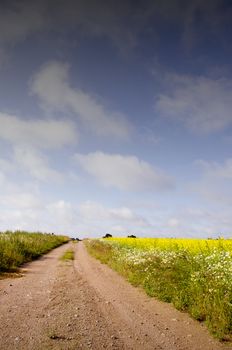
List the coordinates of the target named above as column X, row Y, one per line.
column 83, row 304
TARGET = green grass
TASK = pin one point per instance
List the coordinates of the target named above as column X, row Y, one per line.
column 68, row 255
column 196, row 281
column 19, row 247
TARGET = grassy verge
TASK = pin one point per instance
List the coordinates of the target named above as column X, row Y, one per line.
column 68, row 255
column 199, row 282
column 19, row 247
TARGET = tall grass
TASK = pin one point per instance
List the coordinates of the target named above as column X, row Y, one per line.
column 19, row 247
column 194, row 275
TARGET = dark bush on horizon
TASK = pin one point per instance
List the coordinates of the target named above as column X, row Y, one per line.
column 107, row 235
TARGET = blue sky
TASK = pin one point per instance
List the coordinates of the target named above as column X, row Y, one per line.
column 116, row 117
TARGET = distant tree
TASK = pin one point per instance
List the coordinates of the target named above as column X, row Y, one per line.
column 107, row 235
column 131, row 236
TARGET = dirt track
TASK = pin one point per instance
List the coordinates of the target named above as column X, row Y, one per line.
column 86, row 305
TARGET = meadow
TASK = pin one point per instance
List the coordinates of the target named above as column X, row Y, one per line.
column 19, row 247
column 195, row 275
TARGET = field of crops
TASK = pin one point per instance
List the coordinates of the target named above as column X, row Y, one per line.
column 19, row 247
column 194, row 275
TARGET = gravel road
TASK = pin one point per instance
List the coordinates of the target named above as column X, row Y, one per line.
column 83, row 304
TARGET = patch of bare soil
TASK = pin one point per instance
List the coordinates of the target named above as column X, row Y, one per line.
column 83, row 304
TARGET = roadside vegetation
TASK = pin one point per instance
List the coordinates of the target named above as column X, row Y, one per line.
column 19, row 247
column 68, row 255
column 194, row 275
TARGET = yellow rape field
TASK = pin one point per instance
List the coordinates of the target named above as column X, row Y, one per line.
column 192, row 245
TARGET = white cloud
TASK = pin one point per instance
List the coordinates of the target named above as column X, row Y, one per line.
column 51, row 84
column 118, row 229
column 42, row 133
column 20, row 200
column 6, row 165
column 214, row 183
column 15, row 219
column 198, row 222
column 215, row 169
column 2, row 178
column 123, row 172
column 211, row 222
column 173, row 222
column 202, row 104
column 36, row 164
column 62, row 211
column 21, row 206
column 97, row 212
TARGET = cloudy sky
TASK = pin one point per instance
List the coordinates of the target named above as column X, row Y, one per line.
column 116, row 116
